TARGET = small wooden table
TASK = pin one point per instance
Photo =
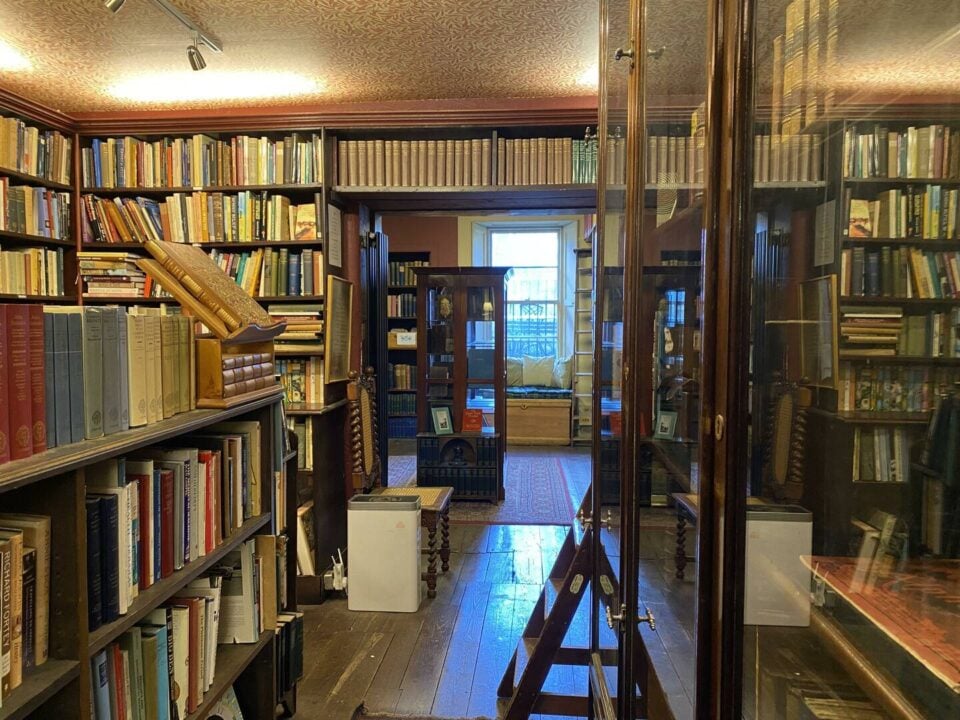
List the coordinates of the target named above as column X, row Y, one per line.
column 688, row 509
column 434, row 515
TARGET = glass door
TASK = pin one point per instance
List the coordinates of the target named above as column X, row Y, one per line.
column 846, row 512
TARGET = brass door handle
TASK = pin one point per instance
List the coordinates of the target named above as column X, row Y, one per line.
column 620, row 53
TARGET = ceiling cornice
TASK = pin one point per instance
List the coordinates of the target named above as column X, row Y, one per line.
column 41, row 114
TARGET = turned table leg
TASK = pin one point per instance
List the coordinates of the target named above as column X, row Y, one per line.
column 431, row 575
column 445, row 539
column 680, row 558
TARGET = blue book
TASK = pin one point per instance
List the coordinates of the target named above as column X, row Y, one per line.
column 872, row 274
column 49, row 382
column 101, row 685
column 109, row 557
column 72, row 327
column 97, row 172
column 163, row 676
column 94, row 575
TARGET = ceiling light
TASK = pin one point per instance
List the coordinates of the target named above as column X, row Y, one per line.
column 12, row 59
column 113, row 5
column 193, row 55
column 589, row 77
column 216, row 85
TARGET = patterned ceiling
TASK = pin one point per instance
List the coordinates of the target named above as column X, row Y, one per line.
column 384, row 50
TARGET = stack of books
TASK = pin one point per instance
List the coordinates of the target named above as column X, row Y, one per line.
column 202, row 161
column 249, row 216
column 113, row 274
column 402, row 376
column 402, row 305
column 24, row 596
column 162, row 667
column 304, row 331
column 46, row 154
column 870, row 331
column 34, row 211
column 32, row 271
column 926, row 152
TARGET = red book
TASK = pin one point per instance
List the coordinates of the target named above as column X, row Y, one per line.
column 472, row 421
column 18, row 375
column 4, row 418
column 166, row 523
column 119, row 681
column 146, row 518
column 38, row 379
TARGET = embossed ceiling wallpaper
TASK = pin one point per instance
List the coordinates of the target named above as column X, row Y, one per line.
column 314, row 52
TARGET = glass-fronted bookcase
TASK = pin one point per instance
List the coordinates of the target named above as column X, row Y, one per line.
column 461, row 367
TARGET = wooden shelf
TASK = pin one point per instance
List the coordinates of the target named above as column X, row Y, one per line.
column 126, row 300
column 402, row 317
column 52, row 299
column 288, row 298
column 63, row 459
column 901, row 181
column 34, row 180
column 24, row 238
column 107, row 246
column 39, row 685
column 286, row 187
column 402, row 415
column 297, row 409
column 903, row 360
column 866, row 417
column 153, row 596
column 492, row 197
column 232, row 660
column 921, row 302
column 401, row 390
column 941, row 244
column 252, row 245
column 401, row 287
column 790, row 185
column 279, row 351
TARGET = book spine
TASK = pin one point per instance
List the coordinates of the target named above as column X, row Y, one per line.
column 6, row 615
column 94, row 564
column 54, row 434
column 110, row 380
column 29, row 585
column 110, row 558
column 19, row 402
column 92, row 355
column 4, row 382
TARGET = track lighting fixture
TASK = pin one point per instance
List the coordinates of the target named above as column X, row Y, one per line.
column 193, row 55
column 113, row 5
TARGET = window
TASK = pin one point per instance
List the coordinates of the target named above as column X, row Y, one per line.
column 533, row 291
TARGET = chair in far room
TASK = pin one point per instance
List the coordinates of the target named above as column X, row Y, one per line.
column 366, row 475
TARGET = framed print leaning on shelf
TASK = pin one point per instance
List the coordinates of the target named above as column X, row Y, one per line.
column 666, row 425
column 818, row 331
column 442, row 424
column 339, row 311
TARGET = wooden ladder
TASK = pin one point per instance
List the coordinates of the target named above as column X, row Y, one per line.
column 541, row 645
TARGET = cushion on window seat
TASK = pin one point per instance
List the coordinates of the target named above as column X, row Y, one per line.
column 538, row 392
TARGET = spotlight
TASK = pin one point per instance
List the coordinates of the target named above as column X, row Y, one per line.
column 113, row 5
column 196, row 59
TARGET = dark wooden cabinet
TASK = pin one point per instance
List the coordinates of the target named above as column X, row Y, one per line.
column 461, row 369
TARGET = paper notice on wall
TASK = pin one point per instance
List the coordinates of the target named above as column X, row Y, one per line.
column 825, row 231
column 335, row 244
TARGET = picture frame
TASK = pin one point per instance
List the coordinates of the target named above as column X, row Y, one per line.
column 666, row 425
column 442, row 422
column 337, row 333
column 819, row 355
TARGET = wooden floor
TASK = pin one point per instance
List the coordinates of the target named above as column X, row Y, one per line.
column 448, row 658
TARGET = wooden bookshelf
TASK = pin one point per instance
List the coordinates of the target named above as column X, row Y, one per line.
column 35, row 180
column 39, row 685
column 278, row 188
column 51, row 299
column 25, row 239
column 928, row 244
column 232, row 660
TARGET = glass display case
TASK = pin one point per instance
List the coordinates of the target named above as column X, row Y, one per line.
column 461, row 367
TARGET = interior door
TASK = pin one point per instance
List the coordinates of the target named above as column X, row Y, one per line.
column 650, row 327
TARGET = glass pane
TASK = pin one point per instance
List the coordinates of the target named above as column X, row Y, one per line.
column 481, row 333
column 482, row 401
column 524, row 249
column 852, row 555
column 533, row 283
column 531, row 329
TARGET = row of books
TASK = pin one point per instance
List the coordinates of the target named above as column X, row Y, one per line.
column 899, row 273
column 44, row 153
column 162, row 667
column 302, row 380
column 150, row 514
column 786, row 158
column 34, row 211
column 270, row 273
column 115, row 274
column 304, row 331
column 402, row 376
column 32, row 271
column 925, row 212
column 941, row 462
column 202, row 161
column 931, row 151
column 465, row 163
column 403, row 305
column 891, row 389
column 401, row 404
column 24, row 596
column 303, row 428
column 881, row 454
column 73, row 373
column 874, row 331
column 248, row 216
column 401, row 272
column 673, row 159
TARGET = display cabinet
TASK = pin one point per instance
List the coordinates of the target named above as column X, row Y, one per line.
column 461, row 369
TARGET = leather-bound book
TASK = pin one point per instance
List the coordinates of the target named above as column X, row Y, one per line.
column 38, row 378
column 19, row 403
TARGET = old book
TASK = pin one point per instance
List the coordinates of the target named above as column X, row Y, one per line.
column 266, row 551
column 110, row 381
column 501, row 161
column 405, row 153
column 379, row 163
column 415, row 179
column 388, row 158
column 6, row 614
column 29, row 585
column 50, row 385
column 457, row 179
column 371, row 162
column 19, row 401
column 38, row 378
column 169, row 340
column 95, row 600
column 362, row 150
column 13, row 579
column 486, row 161
column 476, row 162
column 137, row 369
column 423, row 153
column 153, row 367
column 184, row 351
column 431, row 165
column 449, row 172
column 343, row 165
column 36, row 534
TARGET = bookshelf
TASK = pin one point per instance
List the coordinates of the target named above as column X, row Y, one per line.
column 52, row 483
column 400, row 403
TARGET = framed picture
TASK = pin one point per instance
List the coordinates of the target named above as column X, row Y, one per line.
column 666, row 425
column 339, row 312
column 818, row 331
column 442, row 422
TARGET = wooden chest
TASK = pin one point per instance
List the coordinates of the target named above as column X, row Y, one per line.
column 538, row 422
